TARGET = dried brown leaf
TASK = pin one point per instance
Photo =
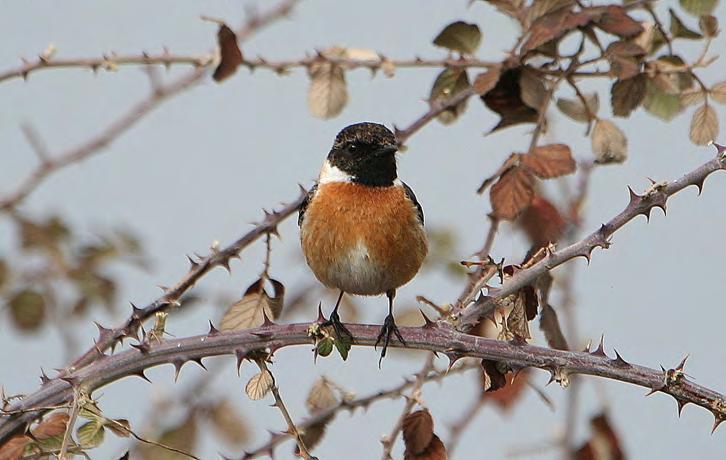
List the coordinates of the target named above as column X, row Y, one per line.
column 543, row 7
column 230, row 54
column 698, row 7
column 615, row 20
column 575, row 109
column 27, row 309
column 708, row 25
column 533, row 88
column 609, row 144
column 321, row 397
column 627, row 95
column 14, row 448
column 435, row 451
column 53, row 425
column 680, row 30
column 328, row 92
column 511, row 392
column 505, row 99
column 492, row 378
column 249, row 311
column 314, row 433
column 459, row 36
column 603, row 444
column 718, row 92
column 704, row 125
column 418, row 430
column 550, row 325
column 542, row 222
column 512, row 193
column 259, row 385
column 182, row 436
column 485, row 81
column 554, row 25
column 550, row 160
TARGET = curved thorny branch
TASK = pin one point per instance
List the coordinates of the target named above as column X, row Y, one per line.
column 439, row 337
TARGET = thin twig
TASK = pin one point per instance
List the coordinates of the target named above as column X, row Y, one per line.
column 72, row 417
column 389, row 440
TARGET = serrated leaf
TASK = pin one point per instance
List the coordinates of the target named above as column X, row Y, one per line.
column 459, row 36
column 91, row 434
column 248, row 311
column 615, row 20
column 627, row 95
column 230, row 54
column 321, row 396
column 418, row 430
column 698, row 7
column 533, row 90
column 550, row 160
column 708, row 25
column 661, row 104
column 609, row 144
column 704, row 125
column 259, row 385
column 485, row 81
column 575, row 109
column 718, row 92
column 343, row 344
column 325, row 347
column 512, row 193
column 449, row 83
column 328, row 91
column 679, row 30
column 506, row 100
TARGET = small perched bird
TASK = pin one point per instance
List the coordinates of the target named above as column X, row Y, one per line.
column 361, row 228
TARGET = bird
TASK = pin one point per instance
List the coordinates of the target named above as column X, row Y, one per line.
column 361, row 227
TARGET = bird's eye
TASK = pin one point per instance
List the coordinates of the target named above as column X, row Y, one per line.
column 353, row 148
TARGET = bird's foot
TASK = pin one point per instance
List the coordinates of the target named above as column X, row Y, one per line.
column 389, row 328
column 340, row 330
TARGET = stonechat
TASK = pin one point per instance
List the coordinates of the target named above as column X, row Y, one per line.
column 361, row 228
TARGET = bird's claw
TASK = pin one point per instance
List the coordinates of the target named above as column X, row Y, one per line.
column 389, row 327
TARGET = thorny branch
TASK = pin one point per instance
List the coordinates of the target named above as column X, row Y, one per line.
column 439, row 337
column 160, row 94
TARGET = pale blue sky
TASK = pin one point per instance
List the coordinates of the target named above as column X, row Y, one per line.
column 200, row 168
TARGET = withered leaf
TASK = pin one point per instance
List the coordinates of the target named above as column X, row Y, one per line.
column 418, row 430
column 718, row 92
column 512, row 193
column 91, row 434
column 248, row 311
column 708, row 25
column 53, row 425
column 27, row 309
column 449, row 83
column 517, row 325
column 14, row 448
column 627, row 95
column 542, row 222
column 505, row 99
column 459, row 36
column 485, row 81
column 609, row 144
column 543, row 7
column 493, row 378
column 615, row 20
column 435, row 451
column 554, row 25
column 120, row 427
column 328, row 92
column 550, row 325
column 314, row 433
column 533, row 88
column 679, row 30
column 550, row 160
column 228, row 423
column 604, row 442
column 182, row 436
column 692, row 97
column 321, row 396
column 259, row 385
column 230, row 54
column 704, row 125
column 698, row 7
column 660, row 103
column 511, row 8
column 575, row 109
column 623, row 66
column 513, row 389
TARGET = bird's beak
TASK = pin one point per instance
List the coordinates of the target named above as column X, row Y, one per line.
column 387, row 150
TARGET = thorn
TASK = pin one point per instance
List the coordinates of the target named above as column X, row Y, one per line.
column 681, row 405
column 241, row 355
column 619, row 361
column 141, row 374
column 553, row 376
column 135, row 312
column 266, row 319
column 225, row 263
column 73, row 381
column 321, row 316
column 143, row 347
column 43, row 377
column 717, row 420
column 192, row 263
column 199, row 361
column 428, row 324
column 654, row 390
column 587, row 346
column 600, row 351
column 721, row 149
column 699, row 185
column 163, row 288
column 103, row 333
column 178, row 364
column 212, row 330
column 453, row 358
column 682, row 364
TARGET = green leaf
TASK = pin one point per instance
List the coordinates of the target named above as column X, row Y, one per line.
column 626, row 95
column 91, row 434
column 459, row 36
column 698, row 7
column 324, row 347
column 661, row 104
column 343, row 345
column 679, row 30
column 449, row 83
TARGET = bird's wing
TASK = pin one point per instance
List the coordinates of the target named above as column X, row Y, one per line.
column 305, row 203
column 411, row 196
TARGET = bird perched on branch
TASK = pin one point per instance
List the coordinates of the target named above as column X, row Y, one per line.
column 361, row 228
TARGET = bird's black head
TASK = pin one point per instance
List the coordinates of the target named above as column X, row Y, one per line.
column 366, row 152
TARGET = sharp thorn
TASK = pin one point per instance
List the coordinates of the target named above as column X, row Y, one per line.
column 600, row 350
column 178, row 364
column 321, row 316
column 427, row 322
column 212, row 330
column 241, row 355
column 619, row 361
column 681, row 405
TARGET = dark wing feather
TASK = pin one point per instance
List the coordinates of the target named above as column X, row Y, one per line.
column 411, row 196
column 305, row 203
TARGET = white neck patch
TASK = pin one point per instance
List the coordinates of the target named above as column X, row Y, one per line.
column 330, row 173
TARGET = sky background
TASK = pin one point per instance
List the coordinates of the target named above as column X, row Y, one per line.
column 200, row 168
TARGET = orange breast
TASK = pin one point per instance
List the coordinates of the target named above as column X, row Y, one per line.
column 363, row 240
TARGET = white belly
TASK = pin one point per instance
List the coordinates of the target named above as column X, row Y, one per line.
column 356, row 273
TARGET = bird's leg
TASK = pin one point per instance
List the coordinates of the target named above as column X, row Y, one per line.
column 389, row 327
column 338, row 327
